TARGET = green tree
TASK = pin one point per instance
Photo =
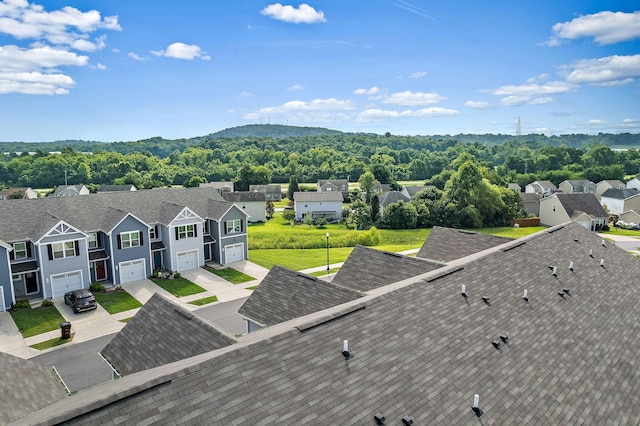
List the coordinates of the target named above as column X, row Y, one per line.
column 360, row 214
column 375, row 207
column 194, row 181
column 399, row 215
column 289, row 215
column 293, row 187
column 269, row 209
column 367, row 181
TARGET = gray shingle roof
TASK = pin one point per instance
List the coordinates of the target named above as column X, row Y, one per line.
column 393, row 197
column 114, row 188
column 620, row 194
column 25, row 387
column 367, row 269
column 160, row 333
column 240, row 196
column 318, row 196
column 447, row 244
column 285, row 294
column 587, row 203
column 423, row 350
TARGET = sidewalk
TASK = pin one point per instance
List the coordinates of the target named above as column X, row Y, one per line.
column 92, row 324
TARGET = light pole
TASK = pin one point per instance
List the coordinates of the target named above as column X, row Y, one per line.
column 328, row 268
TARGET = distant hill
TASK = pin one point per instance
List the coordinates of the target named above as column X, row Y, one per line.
column 276, row 131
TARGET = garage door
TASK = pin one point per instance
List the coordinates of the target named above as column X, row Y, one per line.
column 187, row 260
column 134, row 270
column 62, row 283
column 234, row 252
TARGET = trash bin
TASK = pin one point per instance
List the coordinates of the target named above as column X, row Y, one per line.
column 65, row 330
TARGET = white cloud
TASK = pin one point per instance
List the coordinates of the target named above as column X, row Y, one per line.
column 304, row 14
column 295, row 88
column 629, row 121
column 477, row 104
column 418, row 74
column 373, row 114
column 409, row 98
column 245, row 95
column 540, row 101
column 35, row 83
column 135, row 57
column 596, row 122
column 605, row 28
column 532, row 93
column 330, row 104
column 514, row 100
column 101, row 66
column 14, row 58
column 607, row 71
column 182, row 51
column 372, row 91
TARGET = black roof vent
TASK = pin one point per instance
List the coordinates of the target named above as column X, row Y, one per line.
column 504, row 338
column 561, row 294
column 525, row 296
column 345, row 349
column 407, row 420
column 496, row 344
column 486, row 300
column 576, row 240
column 566, row 291
column 379, row 418
column 463, row 292
column 475, row 407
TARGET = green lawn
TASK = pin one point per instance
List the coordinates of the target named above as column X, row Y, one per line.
column 231, row 275
column 204, row 301
column 323, row 273
column 510, row 231
column 298, row 259
column 32, row 322
column 47, row 344
column 116, row 301
column 618, row 231
column 179, row 287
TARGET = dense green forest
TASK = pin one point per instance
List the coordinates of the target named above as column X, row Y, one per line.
column 318, row 154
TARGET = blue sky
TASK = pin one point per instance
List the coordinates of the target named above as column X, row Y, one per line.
column 120, row 70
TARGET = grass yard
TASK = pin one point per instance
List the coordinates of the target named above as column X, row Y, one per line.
column 298, row 259
column 179, row 287
column 618, row 231
column 510, row 231
column 253, row 287
column 51, row 343
column 116, row 301
column 231, row 275
column 323, row 273
column 32, row 322
column 204, row 301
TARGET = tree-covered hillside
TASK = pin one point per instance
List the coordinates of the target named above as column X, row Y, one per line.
column 275, row 131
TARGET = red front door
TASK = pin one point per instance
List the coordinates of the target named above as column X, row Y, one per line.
column 101, row 272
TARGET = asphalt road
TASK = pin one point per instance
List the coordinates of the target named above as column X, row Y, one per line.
column 79, row 365
column 225, row 315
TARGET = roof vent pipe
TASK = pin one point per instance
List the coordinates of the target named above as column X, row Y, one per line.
column 525, row 296
column 486, row 299
column 561, row 294
column 555, row 271
column 504, row 338
column 345, row 349
column 591, row 252
column 604, row 243
column 571, row 266
column 463, row 292
column 602, row 262
column 475, row 407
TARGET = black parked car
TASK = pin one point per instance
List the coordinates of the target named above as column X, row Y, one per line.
column 80, row 300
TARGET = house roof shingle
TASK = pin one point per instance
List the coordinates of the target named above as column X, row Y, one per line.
column 244, row 196
column 393, row 197
column 285, row 294
column 421, row 349
column 586, row 203
column 620, row 194
column 318, row 196
column 160, row 333
column 447, row 244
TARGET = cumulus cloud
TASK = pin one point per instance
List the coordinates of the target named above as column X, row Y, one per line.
column 532, row 93
column 136, row 57
column 373, row 114
column 418, row 74
column 295, row 88
column 35, row 83
column 331, row 104
column 477, row 104
column 182, row 51
column 604, row 27
column 410, row 98
column 372, row 91
column 596, row 122
column 303, row 14
column 607, row 71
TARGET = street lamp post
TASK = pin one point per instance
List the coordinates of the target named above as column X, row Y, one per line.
column 328, row 268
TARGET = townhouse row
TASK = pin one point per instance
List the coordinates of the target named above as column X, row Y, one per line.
column 54, row 245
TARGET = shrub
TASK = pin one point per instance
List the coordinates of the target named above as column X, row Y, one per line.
column 96, row 288
column 21, row 304
column 176, row 275
column 47, row 302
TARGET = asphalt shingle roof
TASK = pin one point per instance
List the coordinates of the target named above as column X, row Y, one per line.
column 367, row 269
column 237, row 197
column 25, row 387
column 285, row 294
column 587, row 203
column 418, row 348
column 447, row 244
column 621, row 194
column 160, row 333
column 318, row 196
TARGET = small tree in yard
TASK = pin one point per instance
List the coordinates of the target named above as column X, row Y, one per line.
column 289, row 215
column 308, row 220
column 269, row 209
column 361, row 214
column 320, row 222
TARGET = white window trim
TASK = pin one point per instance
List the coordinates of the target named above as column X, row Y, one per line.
column 133, row 236
column 66, row 249
column 16, row 250
column 234, row 226
column 186, row 231
column 153, row 232
column 92, row 240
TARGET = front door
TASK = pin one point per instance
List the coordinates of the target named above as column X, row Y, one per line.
column 207, row 252
column 157, row 260
column 31, row 282
column 101, row 271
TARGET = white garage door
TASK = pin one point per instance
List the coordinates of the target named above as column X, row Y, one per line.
column 187, row 260
column 132, row 270
column 62, row 283
column 587, row 225
column 234, row 252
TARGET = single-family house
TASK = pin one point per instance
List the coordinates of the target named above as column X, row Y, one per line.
column 380, row 188
column 391, row 197
column 577, row 187
column 581, row 208
column 334, row 185
column 514, row 187
column 218, row 186
column 117, row 188
column 448, row 244
column 541, row 187
column 603, row 185
column 620, row 200
column 634, row 184
column 53, row 245
column 70, row 191
column 630, row 216
column 326, row 204
column 272, row 192
column 510, row 335
column 253, row 203
column 531, row 203
column 411, row 190
column 17, row 193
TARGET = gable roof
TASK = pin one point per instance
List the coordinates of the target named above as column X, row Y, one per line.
column 544, row 184
column 421, row 349
column 612, row 182
column 367, row 269
column 6, row 193
column 26, row 386
column 336, row 182
column 114, row 188
column 585, row 203
column 447, row 244
column 70, row 190
column 285, row 294
column 244, row 196
column 393, row 197
column 269, row 189
column 620, row 194
column 412, row 190
column 160, row 333
column 318, row 196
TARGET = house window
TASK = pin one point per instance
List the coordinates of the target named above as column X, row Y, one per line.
column 62, row 250
column 92, row 240
column 186, row 231
column 205, row 227
column 130, row 239
column 20, row 250
column 153, row 232
column 234, row 226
